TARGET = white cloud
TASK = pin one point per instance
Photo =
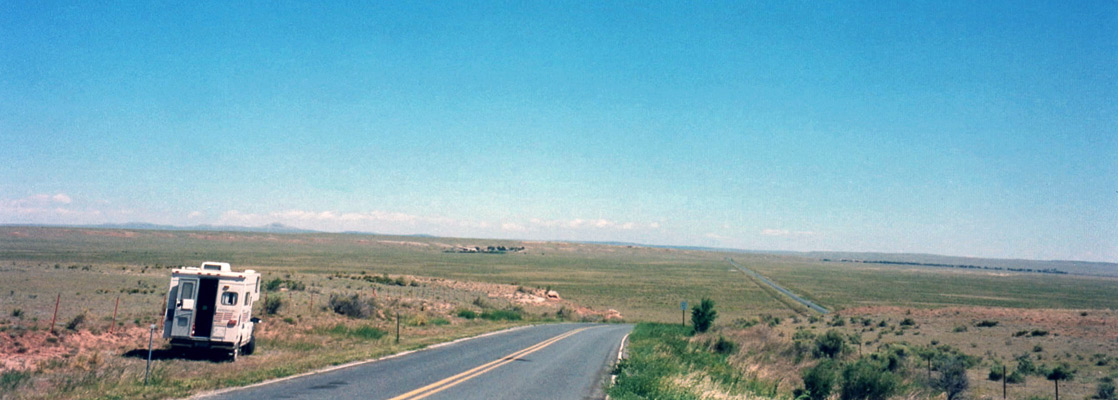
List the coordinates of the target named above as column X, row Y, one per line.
column 194, row 214
column 512, row 227
column 61, row 198
column 58, row 208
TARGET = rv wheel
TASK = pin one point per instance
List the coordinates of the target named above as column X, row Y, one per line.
column 236, row 352
column 250, row 347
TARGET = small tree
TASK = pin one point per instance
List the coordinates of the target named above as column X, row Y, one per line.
column 703, row 315
column 952, row 378
column 820, row 380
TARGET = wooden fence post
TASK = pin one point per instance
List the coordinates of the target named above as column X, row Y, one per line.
column 116, row 307
column 55, row 317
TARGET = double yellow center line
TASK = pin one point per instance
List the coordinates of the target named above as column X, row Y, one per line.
column 465, row 376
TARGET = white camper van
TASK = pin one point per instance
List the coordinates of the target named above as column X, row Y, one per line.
column 210, row 308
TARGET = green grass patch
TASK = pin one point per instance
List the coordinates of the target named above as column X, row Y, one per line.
column 501, row 315
column 661, row 355
column 363, row 332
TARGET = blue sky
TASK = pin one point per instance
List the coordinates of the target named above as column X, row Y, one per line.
column 960, row 128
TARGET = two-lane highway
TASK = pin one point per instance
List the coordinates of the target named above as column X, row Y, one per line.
column 559, row 361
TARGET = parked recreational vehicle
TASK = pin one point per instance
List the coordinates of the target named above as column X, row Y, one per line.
column 210, row 308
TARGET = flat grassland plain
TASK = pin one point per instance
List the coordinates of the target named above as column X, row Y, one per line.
column 90, row 268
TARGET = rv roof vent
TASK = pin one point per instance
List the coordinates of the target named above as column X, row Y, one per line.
column 250, row 271
column 216, row 266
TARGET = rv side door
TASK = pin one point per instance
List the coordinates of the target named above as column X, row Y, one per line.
column 183, row 320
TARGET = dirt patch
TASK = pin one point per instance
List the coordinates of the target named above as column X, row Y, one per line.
column 26, row 349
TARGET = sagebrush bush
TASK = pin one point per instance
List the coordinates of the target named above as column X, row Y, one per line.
column 272, row 305
column 76, row 322
column 819, row 380
column 863, row 379
column 351, row 306
column 829, row 344
column 723, row 346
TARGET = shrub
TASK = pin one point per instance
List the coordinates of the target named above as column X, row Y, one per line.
column 864, row 380
column 76, row 322
column 17, row 313
column 829, row 345
column 802, row 343
column 1062, row 372
column 467, row 314
column 1106, row 390
column 273, row 285
column 501, row 315
column 960, row 328
column 952, row 378
column 986, row 324
column 1025, row 365
column 703, row 315
column 1015, row 377
column 820, row 380
column 996, row 373
column 272, row 305
column 351, row 306
column 908, row 322
column 723, row 346
column 1038, row 332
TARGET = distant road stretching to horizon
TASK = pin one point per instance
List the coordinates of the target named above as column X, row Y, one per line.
column 780, row 289
column 555, row 361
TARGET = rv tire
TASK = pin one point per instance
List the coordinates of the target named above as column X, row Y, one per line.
column 250, row 347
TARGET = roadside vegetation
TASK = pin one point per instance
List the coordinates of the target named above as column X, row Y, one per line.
column 333, row 298
column 310, row 321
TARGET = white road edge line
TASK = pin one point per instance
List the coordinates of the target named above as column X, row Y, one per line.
column 352, row 364
column 620, row 354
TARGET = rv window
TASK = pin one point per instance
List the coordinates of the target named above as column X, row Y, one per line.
column 229, row 299
column 248, row 299
column 188, row 290
column 212, row 267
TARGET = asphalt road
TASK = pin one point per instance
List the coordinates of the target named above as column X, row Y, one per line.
column 557, row 361
column 780, row 289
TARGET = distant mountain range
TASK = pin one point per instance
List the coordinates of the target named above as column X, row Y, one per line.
column 1072, row 267
column 270, row 228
